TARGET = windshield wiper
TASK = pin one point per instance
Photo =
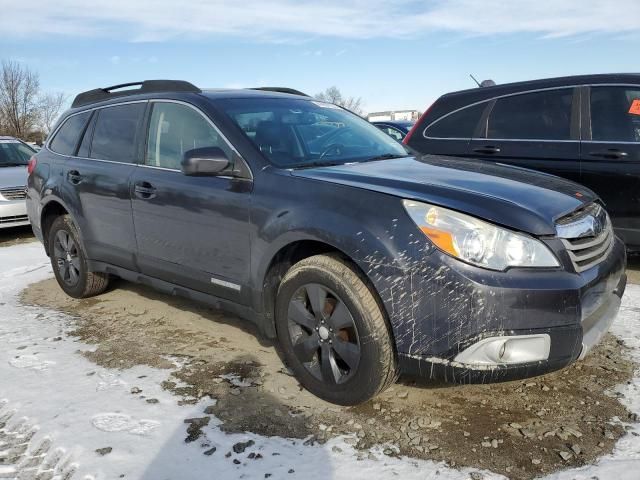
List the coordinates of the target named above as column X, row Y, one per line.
column 13, row 164
column 317, row 164
column 385, row 156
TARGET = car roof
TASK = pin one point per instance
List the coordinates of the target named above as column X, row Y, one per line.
column 7, row 137
column 219, row 93
column 484, row 93
column 171, row 89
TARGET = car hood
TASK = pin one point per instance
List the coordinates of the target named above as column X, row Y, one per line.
column 13, row 176
column 515, row 197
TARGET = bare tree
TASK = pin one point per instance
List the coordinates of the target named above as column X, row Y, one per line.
column 334, row 95
column 50, row 107
column 19, row 88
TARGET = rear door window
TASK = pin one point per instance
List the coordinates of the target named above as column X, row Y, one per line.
column 67, row 137
column 460, row 124
column 615, row 114
column 544, row 115
column 115, row 132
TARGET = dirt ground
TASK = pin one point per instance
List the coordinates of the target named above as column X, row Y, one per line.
column 521, row 429
column 16, row 236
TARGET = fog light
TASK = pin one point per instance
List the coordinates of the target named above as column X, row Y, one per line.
column 506, row 350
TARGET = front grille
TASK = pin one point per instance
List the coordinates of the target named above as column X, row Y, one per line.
column 587, row 235
column 14, row 218
column 14, row 193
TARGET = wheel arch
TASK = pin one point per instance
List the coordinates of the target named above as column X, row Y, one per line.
column 292, row 253
column 53, row 209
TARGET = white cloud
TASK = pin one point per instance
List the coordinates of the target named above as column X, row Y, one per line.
column 115, row 60
column 283, row 20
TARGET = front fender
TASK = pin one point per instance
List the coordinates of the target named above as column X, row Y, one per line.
column 375, row 233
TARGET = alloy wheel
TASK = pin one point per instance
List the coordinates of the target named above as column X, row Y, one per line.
column 67, row 260
column 323, row 334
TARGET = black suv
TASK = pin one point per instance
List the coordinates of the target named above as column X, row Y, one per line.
column 362, row 260
column 584, row 128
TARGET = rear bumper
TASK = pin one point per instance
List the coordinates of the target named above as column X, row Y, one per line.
column 574, row 310
column 13, row 213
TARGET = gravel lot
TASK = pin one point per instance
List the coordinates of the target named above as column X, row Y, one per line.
column 519, row 429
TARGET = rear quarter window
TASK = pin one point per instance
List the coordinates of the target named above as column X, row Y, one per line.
column 459, row 124
column 66, row 139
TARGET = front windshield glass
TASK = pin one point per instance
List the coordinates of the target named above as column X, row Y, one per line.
column 14, row 153
column 298, row 133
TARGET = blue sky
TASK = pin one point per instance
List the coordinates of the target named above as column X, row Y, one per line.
column 394, row 54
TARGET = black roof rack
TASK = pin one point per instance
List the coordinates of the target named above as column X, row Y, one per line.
column 148, row 86
column 292, row 91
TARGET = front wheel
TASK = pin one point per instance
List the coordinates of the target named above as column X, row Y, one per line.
column 69, row 261
column 333, row 332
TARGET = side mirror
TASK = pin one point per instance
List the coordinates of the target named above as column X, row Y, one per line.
column 204, row 162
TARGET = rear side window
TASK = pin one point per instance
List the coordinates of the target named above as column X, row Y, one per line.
column 66, row 140
column 615, row 114
column 460, row 124
column 532, row 116
column 114, row 135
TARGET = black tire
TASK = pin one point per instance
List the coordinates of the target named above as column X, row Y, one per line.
column 342, row 382
column 69, row 261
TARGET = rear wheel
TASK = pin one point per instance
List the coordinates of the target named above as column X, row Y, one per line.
column 333, row 332
column 69, row 261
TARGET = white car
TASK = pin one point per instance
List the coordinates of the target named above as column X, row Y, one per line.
column 14, row 158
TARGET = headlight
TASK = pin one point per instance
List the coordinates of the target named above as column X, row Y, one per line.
column 478, row 242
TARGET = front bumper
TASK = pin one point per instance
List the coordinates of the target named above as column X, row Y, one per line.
column 13, row 213
column 468, row 305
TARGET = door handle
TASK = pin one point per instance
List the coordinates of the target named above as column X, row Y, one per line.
column 74, row 177
column 144, row 190
column 611, row 154
column 487, row 150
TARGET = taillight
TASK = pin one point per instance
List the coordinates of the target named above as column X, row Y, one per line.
column 417, row 125
column 33, row 161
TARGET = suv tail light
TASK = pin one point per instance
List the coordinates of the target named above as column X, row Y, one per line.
column 33, row 161
column 417, row 125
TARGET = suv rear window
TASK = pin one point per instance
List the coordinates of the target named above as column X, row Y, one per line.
column 460, row 124
column 542, row 115
column 66, row 140
column 615, row 114
column 114, row 135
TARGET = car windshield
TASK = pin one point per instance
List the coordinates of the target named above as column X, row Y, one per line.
column 14, row 153
column 299, row 133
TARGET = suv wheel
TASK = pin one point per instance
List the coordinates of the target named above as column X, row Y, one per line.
column 69, row 261
column 333, row 332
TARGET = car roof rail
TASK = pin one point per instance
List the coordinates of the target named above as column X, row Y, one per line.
column 291, row 91
column 122, row 90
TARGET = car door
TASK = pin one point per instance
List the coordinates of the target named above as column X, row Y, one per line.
column 611, row 155
column 191, row 230
column 97, row 183
column 538, row 130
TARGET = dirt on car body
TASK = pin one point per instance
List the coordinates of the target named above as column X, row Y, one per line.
column 521, row 429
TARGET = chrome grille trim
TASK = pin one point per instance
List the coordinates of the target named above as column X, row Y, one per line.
column 587, row 235
column 13, row 193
